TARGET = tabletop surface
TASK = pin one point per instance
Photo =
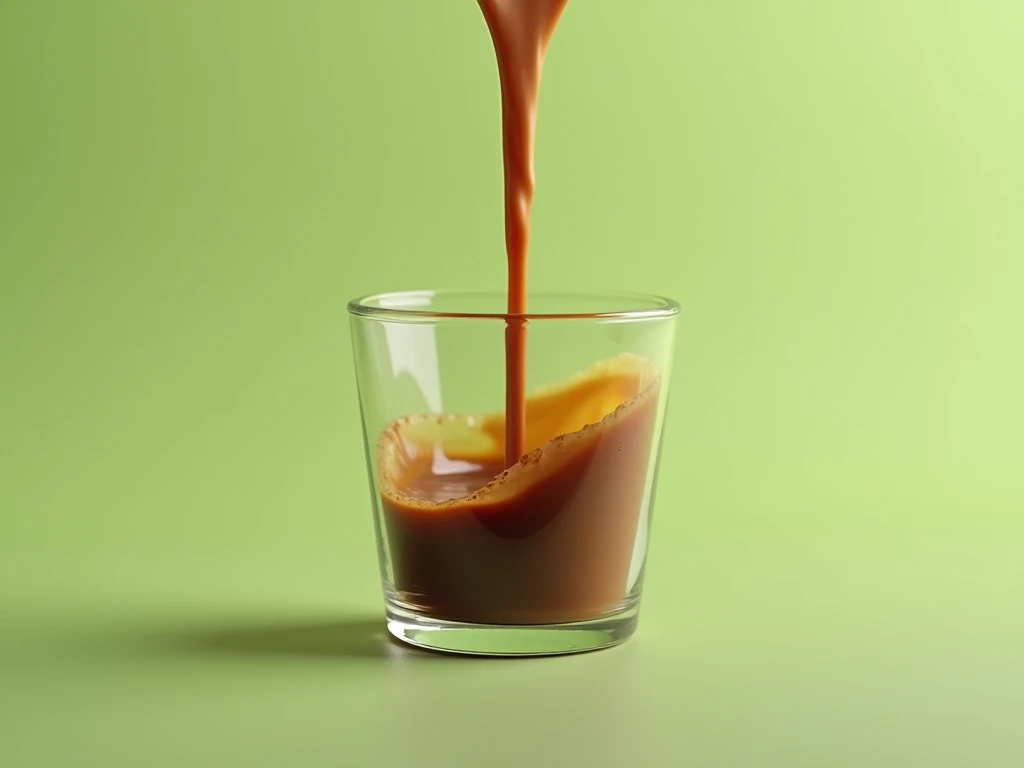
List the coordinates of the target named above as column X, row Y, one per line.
column 766, row 654
column 191, row 191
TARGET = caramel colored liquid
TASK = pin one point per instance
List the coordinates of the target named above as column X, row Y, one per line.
column 521, row 30
column 547, row 540
column 496, row 518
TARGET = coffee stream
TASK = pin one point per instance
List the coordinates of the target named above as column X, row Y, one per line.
column 521, row 30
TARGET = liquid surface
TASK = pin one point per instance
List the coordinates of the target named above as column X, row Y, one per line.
column 549, row 539
column 521, row 30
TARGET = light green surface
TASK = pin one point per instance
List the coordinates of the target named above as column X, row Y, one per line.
column 190, row 191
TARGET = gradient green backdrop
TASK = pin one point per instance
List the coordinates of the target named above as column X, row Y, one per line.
column 189, row 193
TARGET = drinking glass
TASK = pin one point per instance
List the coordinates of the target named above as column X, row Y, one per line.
column 544, row 554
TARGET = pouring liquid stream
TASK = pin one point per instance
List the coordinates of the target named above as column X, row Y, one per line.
column 521, row 31
column 495, row 519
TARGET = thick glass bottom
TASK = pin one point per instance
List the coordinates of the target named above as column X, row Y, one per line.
column 507, row 640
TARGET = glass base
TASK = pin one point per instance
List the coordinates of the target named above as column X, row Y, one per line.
column 511, row 640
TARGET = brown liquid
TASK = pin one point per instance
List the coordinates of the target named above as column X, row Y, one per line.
column 496, row 519
column 548, row 540
column 521, row 30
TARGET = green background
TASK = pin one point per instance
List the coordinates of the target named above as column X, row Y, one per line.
column 189, row 193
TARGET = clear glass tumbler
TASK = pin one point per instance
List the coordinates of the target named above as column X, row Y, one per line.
column 541, row 555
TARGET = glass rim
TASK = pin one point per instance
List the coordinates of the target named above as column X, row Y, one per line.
column 411, row 306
